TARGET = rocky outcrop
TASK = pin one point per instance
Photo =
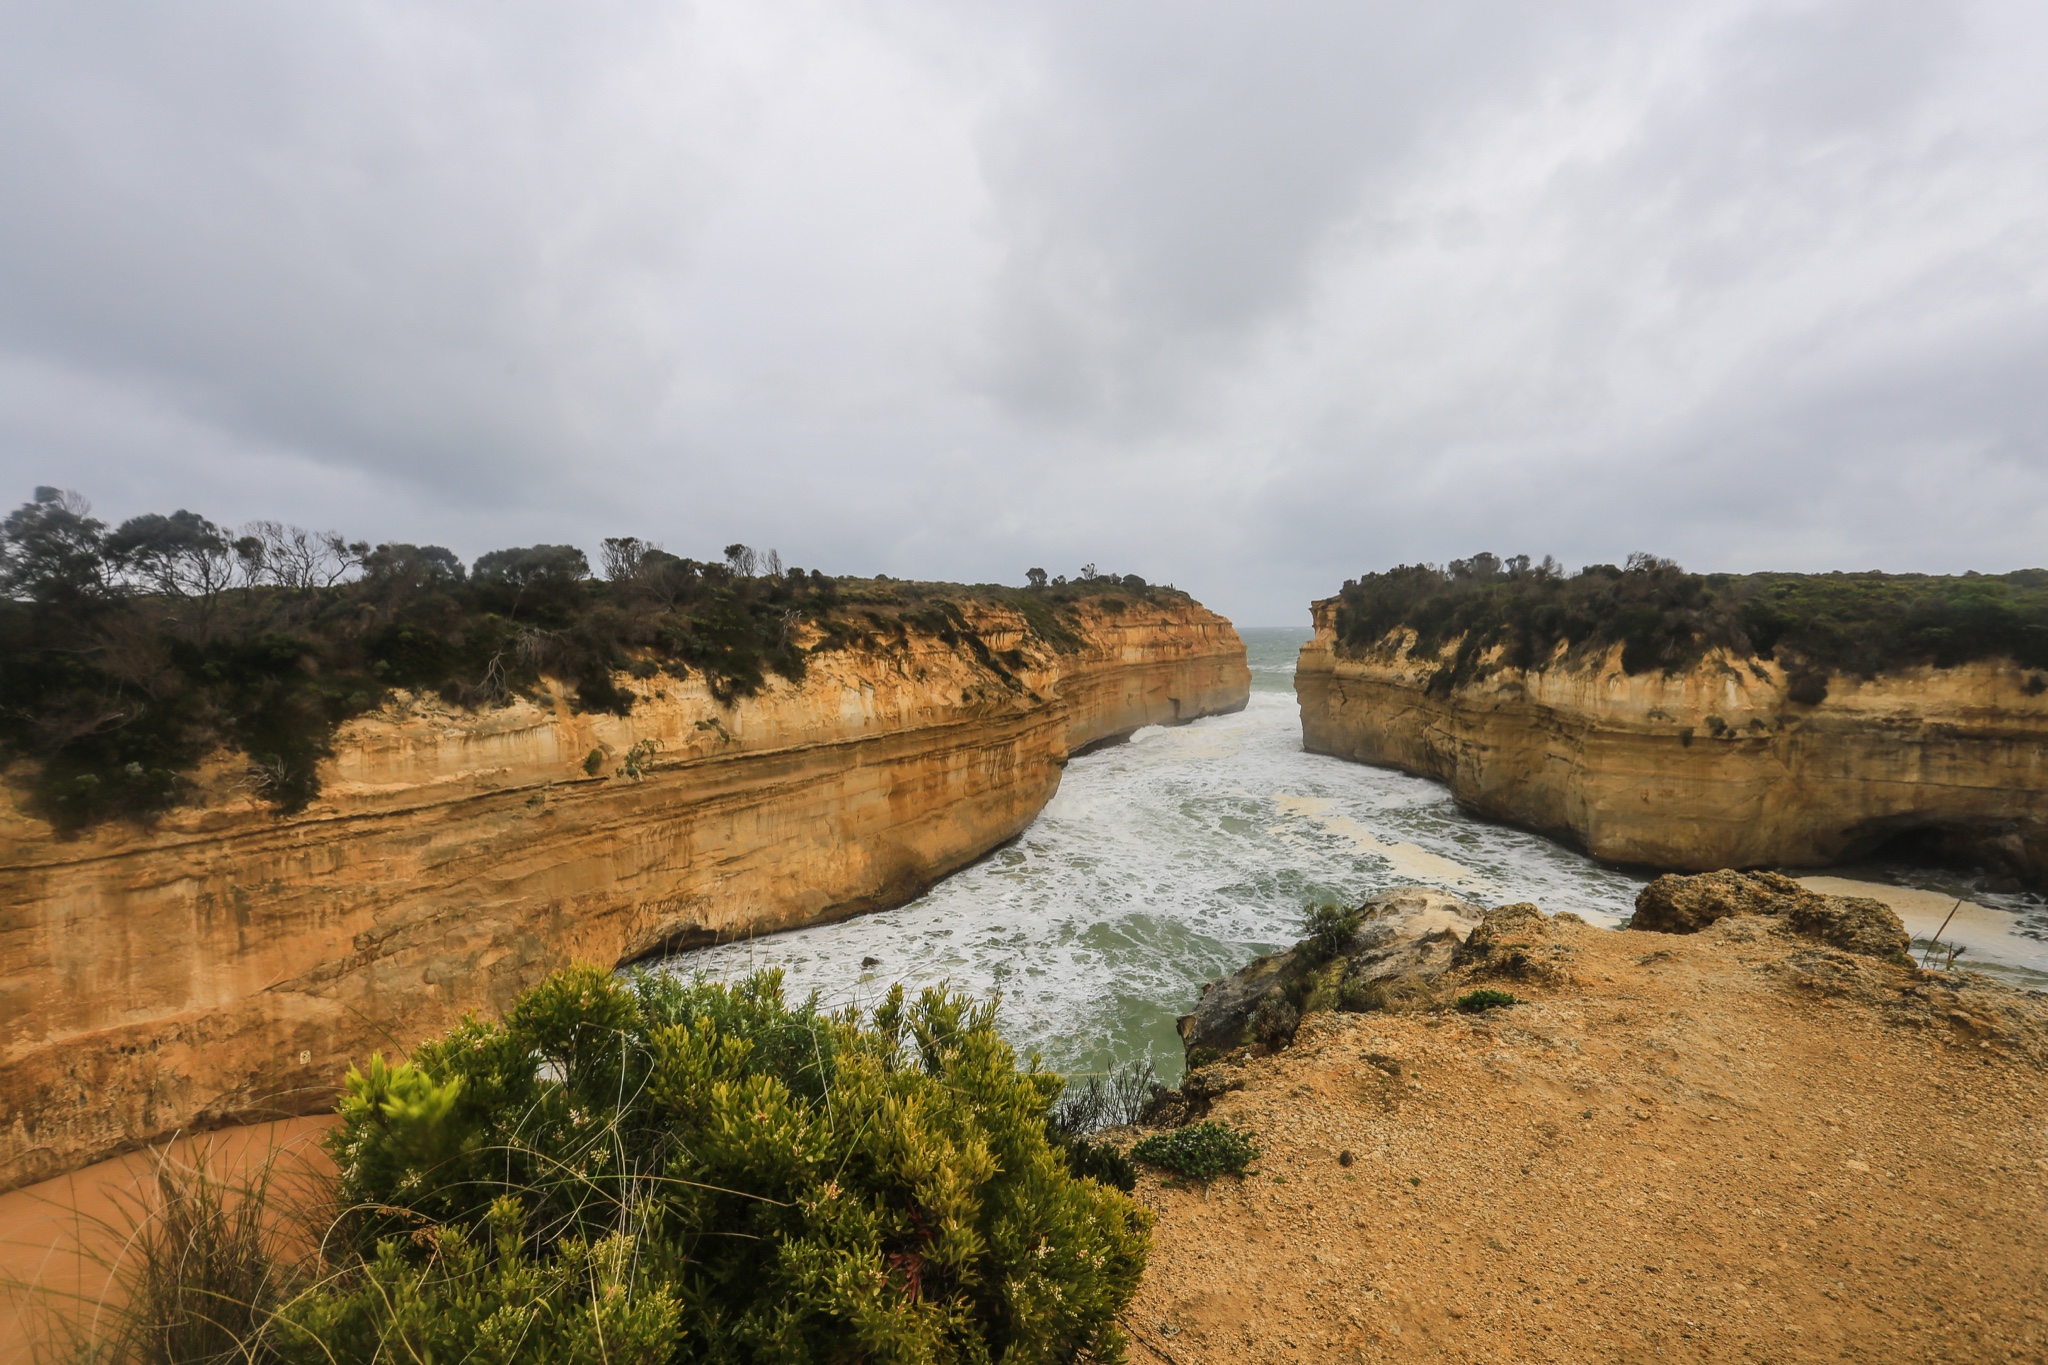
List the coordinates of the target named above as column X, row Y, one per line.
column 227, row 964
column 1716, row 767
column 1402, row 941
column 1685, row 905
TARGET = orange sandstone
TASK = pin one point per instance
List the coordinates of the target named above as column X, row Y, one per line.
column 1715, row 767
column 227, row 965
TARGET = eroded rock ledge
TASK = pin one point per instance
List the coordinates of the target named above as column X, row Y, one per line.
column 1715, row 767
column 229, row 965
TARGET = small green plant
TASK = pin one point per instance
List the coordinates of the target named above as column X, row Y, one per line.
column 1202, row 1151
column 639, row 760
column 1275, row 1021
column 1478, row 1002
column 1328, row 929
column 593, row 762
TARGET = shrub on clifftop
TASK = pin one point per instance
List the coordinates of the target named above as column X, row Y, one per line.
column 691, row 1171
column 129, row 655
column 1201, row 1151
column 1665, row 618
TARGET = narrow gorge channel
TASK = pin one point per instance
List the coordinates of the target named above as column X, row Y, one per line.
column 1172, row 859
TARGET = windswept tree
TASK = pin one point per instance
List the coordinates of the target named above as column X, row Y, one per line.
column 621, row 556
column 543, row 576
column 294, row 558
column 53, row 550
column 183, row 559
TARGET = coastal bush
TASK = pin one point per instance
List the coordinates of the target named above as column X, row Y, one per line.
column 1200, row 1151
column 1477, row 1002
column 444, row 1297
column 1327, row 930
column 1275, row 1020
column 1662, row 617
column 697, row 1171
column 134, row 652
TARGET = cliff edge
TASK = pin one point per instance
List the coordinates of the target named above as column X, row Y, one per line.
column 1737, row 1144
column 1710, row 765
column 227, row 963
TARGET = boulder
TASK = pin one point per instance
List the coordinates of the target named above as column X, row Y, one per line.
column 1222, row 1019
column 1675, row 904
column 1856, row 924
column 1512, row 941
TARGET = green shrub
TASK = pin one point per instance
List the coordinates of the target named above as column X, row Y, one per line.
column 1665, row 618
column 1275, row 1020
column 1327, row 929
column 1476, row 1002
column 1200, row 1151
column 1098, row 1161
column 440, row 1295
column 707, row 1170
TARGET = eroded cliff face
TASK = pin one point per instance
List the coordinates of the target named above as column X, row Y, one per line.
column 228, row 964
column 1712, row 768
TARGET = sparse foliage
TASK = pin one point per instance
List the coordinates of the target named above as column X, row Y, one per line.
column 198, row 1262
column 1328, row 929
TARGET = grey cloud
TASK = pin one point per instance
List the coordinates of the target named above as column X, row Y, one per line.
column 1246, row 298
column 1170, row 179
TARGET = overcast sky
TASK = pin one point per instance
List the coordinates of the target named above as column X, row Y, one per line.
column 1247, row 297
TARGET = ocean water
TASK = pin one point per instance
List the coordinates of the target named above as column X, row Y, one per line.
column 1182, row 854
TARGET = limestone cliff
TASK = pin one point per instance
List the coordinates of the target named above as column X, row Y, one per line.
column 1713, row 767
column 228, row 964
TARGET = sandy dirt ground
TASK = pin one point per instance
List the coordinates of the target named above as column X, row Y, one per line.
column 1734, row 1146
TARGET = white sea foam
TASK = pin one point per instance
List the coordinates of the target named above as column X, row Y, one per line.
column 1167, row 861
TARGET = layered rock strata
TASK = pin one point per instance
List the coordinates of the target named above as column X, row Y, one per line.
column 1715, row 767
column 227, row 964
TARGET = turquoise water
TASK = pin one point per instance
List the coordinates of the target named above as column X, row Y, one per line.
column 1179, row 856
